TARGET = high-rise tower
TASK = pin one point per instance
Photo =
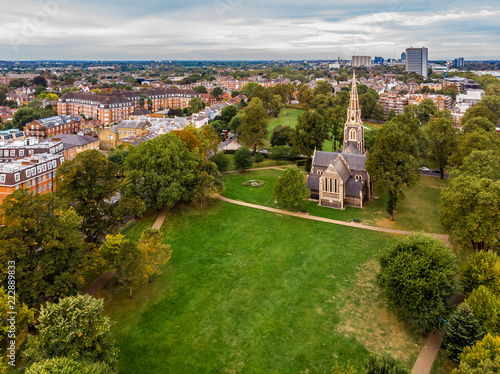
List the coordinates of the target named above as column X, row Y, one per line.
column 353, row 129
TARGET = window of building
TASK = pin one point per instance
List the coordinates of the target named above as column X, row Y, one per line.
column 39, row 169
column 352, row 134
column 44, row 187
column 28, row 183
column 111, row 137
column 17, row 177
column 2, row 178
column 12, row 153
column 50, row 185
column 6, row 153
column 21, row 152
column 28, row 173
column 119, row 131
column 39, row 189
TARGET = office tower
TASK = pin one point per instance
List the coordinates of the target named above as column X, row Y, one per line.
column 417, row 61
column 459, row 62
column 403, row 56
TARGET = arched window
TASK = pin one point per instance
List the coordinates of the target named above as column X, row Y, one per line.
column 352, row 134
column 336, row 186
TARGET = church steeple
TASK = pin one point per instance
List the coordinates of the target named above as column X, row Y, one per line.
column 353, row 129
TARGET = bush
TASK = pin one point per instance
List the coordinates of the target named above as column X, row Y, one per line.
column 417, row 277
column 385, row 364
column 221, row 161
column 483, row 357
column 243, row 158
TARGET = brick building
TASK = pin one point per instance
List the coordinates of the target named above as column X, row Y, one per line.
column 442, row 102
column 118, row 104
column 37, row 173
column 43, row 128
column 393, row 101
column 10, row 151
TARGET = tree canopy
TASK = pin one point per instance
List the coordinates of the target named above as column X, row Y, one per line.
column 254, row 125
column 290, row 190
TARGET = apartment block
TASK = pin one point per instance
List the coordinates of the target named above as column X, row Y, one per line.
column 442, row 102
column 43, row 128
column 361, row 61
column 417, row 61
column 10, row 151
column 36, row 173
column 393, row 101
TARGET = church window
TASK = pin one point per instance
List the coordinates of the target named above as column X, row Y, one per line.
column 336, row 187
column 352, row 134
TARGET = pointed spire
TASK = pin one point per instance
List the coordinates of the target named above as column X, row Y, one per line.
column 354, row 112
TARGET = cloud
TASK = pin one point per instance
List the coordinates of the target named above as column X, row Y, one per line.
column 245, row 30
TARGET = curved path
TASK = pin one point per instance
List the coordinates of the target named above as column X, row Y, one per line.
column 444, row 238
column 278, row 167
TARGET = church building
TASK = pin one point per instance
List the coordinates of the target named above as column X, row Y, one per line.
column 339, row 179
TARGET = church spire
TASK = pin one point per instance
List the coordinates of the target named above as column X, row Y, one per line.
column 354, row 112
column 354, row 129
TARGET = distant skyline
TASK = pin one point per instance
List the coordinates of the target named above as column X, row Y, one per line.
column 239, row 30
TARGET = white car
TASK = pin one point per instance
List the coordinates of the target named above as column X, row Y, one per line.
column 424, row 169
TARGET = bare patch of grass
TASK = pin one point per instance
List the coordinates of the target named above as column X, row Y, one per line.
column 366, row 318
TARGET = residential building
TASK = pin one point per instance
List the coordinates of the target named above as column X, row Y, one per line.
column 43, row 128
column 12, row 135
column 460, row 84
column 442, row 102
column 361, row 61
column 393, row 101
column 339, row 179
column 118, row 104
column 36, row 173
column 74, row 144
column 417, row 61
column 109, row 137
column 10, row 151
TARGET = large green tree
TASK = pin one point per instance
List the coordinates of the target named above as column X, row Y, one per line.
column 417, row 277
column 481, row 269
column 479, row 110
column 162, row 171
column 481, row 358
column 243, row 158
column 393, row 160
column 74, row 327
column 209, row 184
column 478, row 140
column 470, row 211
column 310, row 133
column 442, row 138
column 281, row 135
column 290, row 190
column 41, row 234
column 88, row 182
column 486, row 308
column 254, row 125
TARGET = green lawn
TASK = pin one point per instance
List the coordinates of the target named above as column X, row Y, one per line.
column 287, row 116
column 266, row 163
column 417, row 212
column 256, row 292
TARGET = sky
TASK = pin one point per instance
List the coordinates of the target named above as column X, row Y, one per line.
column 247, row 30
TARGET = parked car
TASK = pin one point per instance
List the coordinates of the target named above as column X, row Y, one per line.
column 424, row 169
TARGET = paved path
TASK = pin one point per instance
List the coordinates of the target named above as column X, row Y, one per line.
column 161, row 217
column 277, row 167
column 444, row 238
column 100, row 281
column 428, row 354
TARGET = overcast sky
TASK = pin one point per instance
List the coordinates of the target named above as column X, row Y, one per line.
column 251, row 30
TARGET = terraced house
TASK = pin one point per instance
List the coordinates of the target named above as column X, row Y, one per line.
column 119, row 104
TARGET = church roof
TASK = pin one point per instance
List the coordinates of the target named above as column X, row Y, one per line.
column 351, row 148
column 313, row 182
column 354, row 187
column 355, row 161
column 341, row 169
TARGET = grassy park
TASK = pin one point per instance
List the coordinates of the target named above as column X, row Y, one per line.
column 267, row 294
column 417, row 212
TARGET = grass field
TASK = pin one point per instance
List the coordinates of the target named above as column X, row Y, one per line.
column 266, row 163
column 417, row 212
column 255, row 292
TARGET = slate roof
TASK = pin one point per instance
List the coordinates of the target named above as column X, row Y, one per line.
column 140, row 112
column 313, row 182
column 341, row 169
column 132, row 124
column 69, row 141
column 351, row 148
column 354, row 187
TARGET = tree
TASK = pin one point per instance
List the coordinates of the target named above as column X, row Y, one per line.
column 310, row 133
column 307, row 100
column 492, row 102
column 385, row 364
column 154, row 252
column 442, row 138
column 335, row 119
column 486, row 308
column 201, row 89
column 40, row 233
column 367, row 102
column 276, row 105
column 258, row 158
column 480, row 164
column 142, row 99
column 417, row 278
column 476, row 123
column 243, row 158
column 378, row 112
column 23, row 116
column 277, row 153
column 162, row 171
column 209, row 139
column 323, row 88
column 88, row 182
column 370, row 137
column 24, row 315
column 209, row 184
column 461, row 331
column 228, row 113
column 393, row 160
column 390, row 115
column 470, row 211
column 483, row 357
column 290, row 190
column 281, row 135
column 68, row 365
column 478, row 140
column 235, row 124
column 254, row 125
column 481, row 269
column 196, row 104
column 190, row 138
column 74, row 327
column 217, row 92
column 118, row 156
column 479, row 110
column 221, row 161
